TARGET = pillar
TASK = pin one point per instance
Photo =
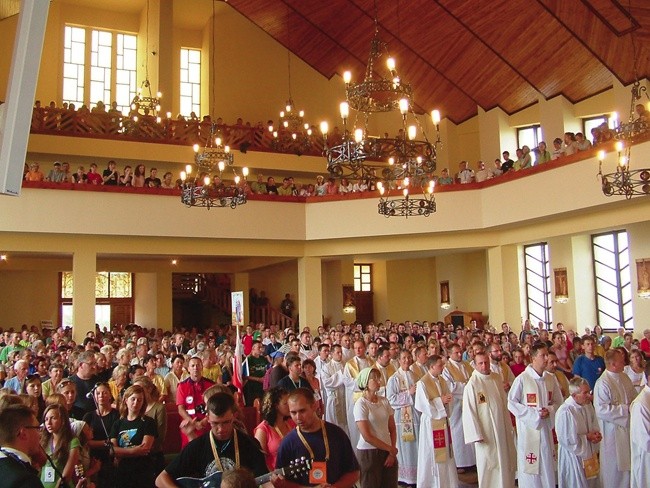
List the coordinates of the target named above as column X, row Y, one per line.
column 16, row 114
column 310, row 293
column 164, row 300
column 556, row 116
column 84, row 270
column 495, row 135
column 240, row 282
column 503, row 287
column 347, row 278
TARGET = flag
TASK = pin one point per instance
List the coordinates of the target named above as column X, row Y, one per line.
column 237, row 364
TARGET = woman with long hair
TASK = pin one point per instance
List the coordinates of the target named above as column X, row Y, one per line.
column 33, row 387
column 132, row 437
column 138, row 176
column 309, row 372
column 101, row 422
column 61, row 445
column 68, row 389
column 276, row 424
column 155, row 410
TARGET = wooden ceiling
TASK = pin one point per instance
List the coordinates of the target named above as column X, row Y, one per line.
column 461, row 54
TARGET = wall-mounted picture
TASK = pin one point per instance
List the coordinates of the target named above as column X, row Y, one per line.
column 444, row 294
column 561, row 284
column 643, row 277
column 349, row 299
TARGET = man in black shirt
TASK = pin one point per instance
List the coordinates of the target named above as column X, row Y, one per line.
column 85, row 379
column 220, row 449
column 508, row 163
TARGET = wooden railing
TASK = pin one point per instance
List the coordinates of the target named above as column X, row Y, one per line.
column 202, row 287
column 105, row 125
column 268, row 315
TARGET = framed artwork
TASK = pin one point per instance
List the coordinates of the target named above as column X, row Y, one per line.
column 445, row 301
column 561, row 285
column 643, row 277
column 349, row 299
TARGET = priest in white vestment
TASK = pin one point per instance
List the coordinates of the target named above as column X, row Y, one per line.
column 578, row 436
column 487, row 426
column 400, row 392
column 332, row 381
column 352, row 393
column 436, row 466
column 640, row 435
column 533, row 399
column 457, row 374
column 613, row 395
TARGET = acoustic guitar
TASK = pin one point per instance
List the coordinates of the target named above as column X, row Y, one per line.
column 297, row 466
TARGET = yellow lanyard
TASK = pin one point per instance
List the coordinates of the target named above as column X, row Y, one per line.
column 216, row 456
column 308, row 447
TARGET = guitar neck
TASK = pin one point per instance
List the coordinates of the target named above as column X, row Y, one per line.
column 265, row 478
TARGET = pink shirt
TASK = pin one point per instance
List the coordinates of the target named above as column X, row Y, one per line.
column 273, row 441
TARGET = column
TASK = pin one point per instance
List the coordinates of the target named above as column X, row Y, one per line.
column 164, row 300
column 347, row 278
column 84, row 270
column 495, row 135
column 240, row 282
column 556, row 116
column 310, row 293
column 23, row 77
column 503, row 287
column 166, row 58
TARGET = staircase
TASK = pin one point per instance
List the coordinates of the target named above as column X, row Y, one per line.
column 215, row 290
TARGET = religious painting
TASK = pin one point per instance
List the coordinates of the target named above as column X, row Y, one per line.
column 643, row 277
column 237, row 303
column 561, row 285
column 444, row 294
column 349, row 299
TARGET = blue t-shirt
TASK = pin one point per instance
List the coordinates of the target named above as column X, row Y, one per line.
column 342, row 459
column 589, row 369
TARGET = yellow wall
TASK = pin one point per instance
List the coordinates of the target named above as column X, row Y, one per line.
column 467, row 276
column 28, row 297
column 146, row 304
column 276, row 281
column 411, row 289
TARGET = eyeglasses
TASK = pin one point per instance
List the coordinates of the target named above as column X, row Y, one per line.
column 35, row 427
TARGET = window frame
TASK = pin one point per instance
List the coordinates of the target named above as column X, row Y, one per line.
column 623, row 320
column 547, row 306
column 196, row 105
column 360, row 267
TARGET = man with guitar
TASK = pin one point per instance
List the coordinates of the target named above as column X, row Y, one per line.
column 333, row 463
column 220, row 449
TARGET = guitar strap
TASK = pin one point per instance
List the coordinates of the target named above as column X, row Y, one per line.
column 217, row 460
column 308, row 447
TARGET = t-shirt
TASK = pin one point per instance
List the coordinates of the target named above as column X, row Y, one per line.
column 93, row 420
column 589, row 369
column 196, row 459
column 74, row 443
column 288, row 384
column 377, row 414
column 131, row 433
column 83, row 388
column 342, row 459
column 113, row 177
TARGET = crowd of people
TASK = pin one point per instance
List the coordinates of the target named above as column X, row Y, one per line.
column 414, row 404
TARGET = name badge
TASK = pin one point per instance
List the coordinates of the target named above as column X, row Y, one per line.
column 318, row 472
column 48, row 474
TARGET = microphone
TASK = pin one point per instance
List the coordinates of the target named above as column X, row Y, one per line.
column 90, row 394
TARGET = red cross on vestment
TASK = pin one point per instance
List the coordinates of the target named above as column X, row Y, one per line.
column 531, row 458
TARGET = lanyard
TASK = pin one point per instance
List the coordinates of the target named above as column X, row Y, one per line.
column 308, row 447
column 216, row 456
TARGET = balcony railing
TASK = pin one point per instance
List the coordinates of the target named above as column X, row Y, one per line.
column 58, row 121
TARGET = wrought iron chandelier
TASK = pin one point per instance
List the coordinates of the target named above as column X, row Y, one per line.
column 395, row 164
column 626, row 181
column 203, row 187
column 144, row 103
column 293, row 134
column 205, row 190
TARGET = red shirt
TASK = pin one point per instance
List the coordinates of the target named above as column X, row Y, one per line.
column 644, row 345
column 190, row 394
column 517, row 369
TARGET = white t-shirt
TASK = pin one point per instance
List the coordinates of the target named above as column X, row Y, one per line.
column 377, row 414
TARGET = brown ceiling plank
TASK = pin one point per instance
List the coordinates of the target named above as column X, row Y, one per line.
column 539, row 46
column 614, row 51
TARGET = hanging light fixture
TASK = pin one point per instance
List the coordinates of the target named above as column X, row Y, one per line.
column 397, row 165
column 202, row 186
column 293, row 134
column 626, row 181
column 144, row 103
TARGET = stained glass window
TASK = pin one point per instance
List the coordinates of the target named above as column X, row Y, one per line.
column 107, row 285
